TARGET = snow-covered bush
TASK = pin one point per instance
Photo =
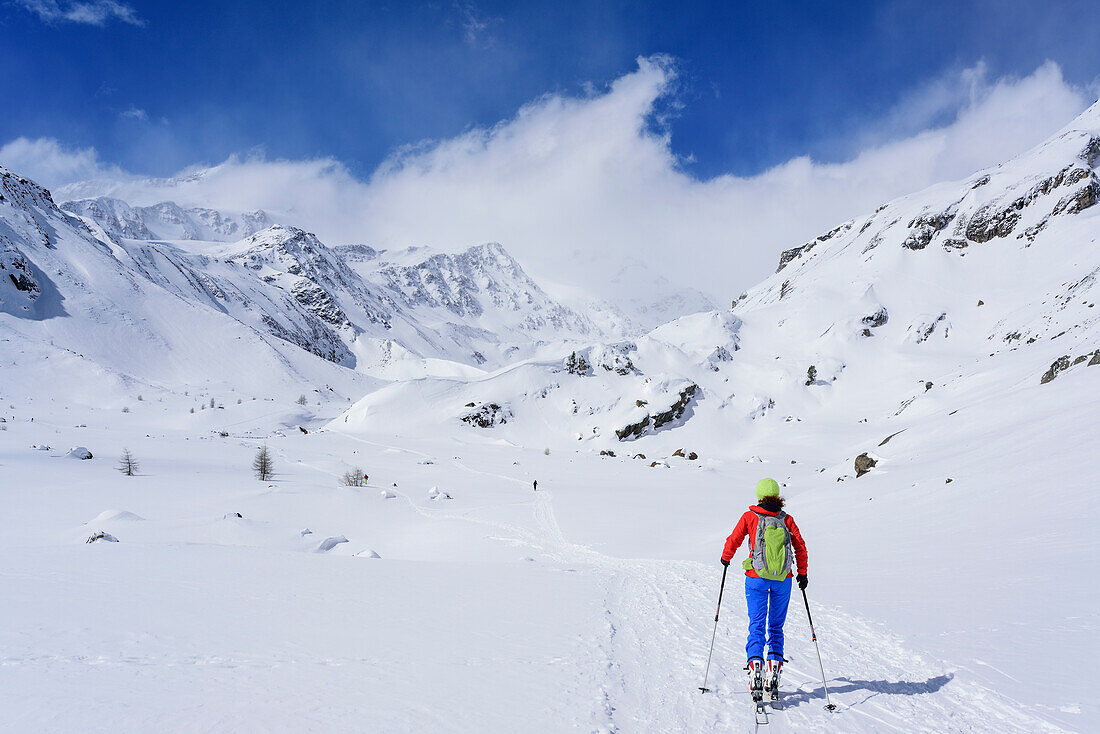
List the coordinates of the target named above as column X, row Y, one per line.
column 353, row 478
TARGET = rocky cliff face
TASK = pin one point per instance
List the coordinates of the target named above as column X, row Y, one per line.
column 166, row 220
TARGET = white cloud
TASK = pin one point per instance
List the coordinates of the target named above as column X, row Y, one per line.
column 50, row 164
column 135, row 113
column 573, row 185
column 95, row 12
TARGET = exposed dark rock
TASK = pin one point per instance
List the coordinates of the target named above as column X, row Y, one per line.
column 488, row 415
column 989, row 223
column 925, row 330
column 1059, row 364
column 887, row 439
column 679, row 452
column 878, row 318
column 787, row 255
column 866, row 332
column 954, row 244
column 785, row 289
column 924, row 228
column 608, row 453
column 633, row 430
column 1080, row 359
column 795, row 252
column 656, row 420
column 677, row 408
column 577, row 365
column 981, row 182
column 1095, row 359
column 640, row 403
column 101, row 536
column 1091, row 152
column 811, row 375
column 639, row 456
column 981, row 302
column 1084, row 198
column 692, row 456
column 864, row 463
column 927, row 386
column 949, row 480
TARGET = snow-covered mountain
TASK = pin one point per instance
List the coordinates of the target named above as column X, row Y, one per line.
column 114, row 317
column 931, row 367
column 166, row 220
column 411, row 313
column 920, row 379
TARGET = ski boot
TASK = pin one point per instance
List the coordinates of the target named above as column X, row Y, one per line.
column 756, row 679
column 771, row 679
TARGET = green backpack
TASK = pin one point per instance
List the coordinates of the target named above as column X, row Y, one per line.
column 772, row 552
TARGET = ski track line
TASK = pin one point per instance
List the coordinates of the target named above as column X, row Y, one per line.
column 658, row 616
column 657, row 623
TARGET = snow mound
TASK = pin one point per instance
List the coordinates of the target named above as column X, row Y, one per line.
column 387, row 494
column 111, row 515
column 435, row 493
column 368, row 553
column 101, row 536
column 79, row 452
column 304, row 532
column 329, row 543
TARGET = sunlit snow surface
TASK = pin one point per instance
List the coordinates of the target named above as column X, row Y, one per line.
column 962, row 605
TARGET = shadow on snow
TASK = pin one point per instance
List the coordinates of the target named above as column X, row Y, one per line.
column 874, row 687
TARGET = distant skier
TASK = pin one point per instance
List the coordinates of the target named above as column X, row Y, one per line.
column 535, row 484
column 773, row 540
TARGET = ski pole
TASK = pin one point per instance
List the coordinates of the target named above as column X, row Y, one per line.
column 721, row 588
column 829, row 705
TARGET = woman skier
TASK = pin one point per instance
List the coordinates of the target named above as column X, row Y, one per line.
column 772, row 536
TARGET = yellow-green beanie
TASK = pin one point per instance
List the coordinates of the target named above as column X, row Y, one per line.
column 767, row 488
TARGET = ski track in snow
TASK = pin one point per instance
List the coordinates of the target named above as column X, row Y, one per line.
column 657, row 617
column 653, row 646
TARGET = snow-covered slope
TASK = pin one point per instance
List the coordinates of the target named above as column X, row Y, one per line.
column 116, row 318
column 921, row 380
column 951, row 336
column 166, row 220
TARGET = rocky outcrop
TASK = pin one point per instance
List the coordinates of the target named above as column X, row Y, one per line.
column 864, row 464
column 654, row 420
column 989, row 222
column 1084, row 198
column 796, row 252
column 924, row 228
column 488, row 415
column 876, row 319
column 921, row 330
column 1060, row 364
column 577, row 365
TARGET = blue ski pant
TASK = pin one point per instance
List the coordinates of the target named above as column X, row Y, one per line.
column 767, row 602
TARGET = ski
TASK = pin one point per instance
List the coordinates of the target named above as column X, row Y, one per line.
column 761, row 713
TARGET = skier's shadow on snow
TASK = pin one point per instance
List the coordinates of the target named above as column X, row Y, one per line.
column 874, row 687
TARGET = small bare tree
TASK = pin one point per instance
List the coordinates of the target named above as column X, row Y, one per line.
column 127, row 464
column 211, row 402
column 353, row 478
column 263, row 464
column 301, row 399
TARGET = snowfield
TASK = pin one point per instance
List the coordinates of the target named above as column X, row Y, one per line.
column 922, row 381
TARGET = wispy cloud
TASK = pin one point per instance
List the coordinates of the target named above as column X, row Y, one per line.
column 475, row 23
column 135, row 113
column 575, row 185
column 51, row 164
column 95, row 12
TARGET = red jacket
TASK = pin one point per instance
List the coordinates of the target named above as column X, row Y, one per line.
column 746, row 526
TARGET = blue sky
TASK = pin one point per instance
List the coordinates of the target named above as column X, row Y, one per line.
column 154, row 87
